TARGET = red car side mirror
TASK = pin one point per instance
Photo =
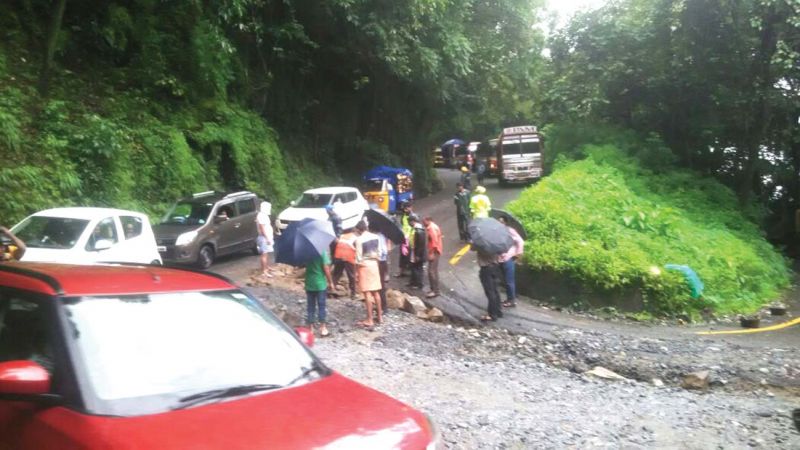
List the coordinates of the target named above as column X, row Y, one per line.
column 23, row 378
column 306, row 335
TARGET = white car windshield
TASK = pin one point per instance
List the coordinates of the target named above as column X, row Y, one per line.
column 148, row 353
column 50, row 232
column 308, row 200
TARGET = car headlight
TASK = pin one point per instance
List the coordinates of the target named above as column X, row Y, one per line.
column 436, row 436
column 186, row 238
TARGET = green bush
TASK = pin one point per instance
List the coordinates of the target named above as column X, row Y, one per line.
column 92, row 144
column 611, row 223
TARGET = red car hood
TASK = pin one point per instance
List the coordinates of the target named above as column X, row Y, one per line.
column 333, row 412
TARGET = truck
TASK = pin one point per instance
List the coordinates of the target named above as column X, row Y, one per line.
column 387, row 188
column 487, row 152
column 519, row 154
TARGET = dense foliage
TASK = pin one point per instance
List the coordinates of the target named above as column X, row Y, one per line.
column 718, row 80
column 133, row 102
column 610, row 222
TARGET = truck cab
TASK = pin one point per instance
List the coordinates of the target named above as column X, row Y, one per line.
column 519, row 154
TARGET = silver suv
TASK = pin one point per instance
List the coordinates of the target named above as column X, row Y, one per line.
column 200, row 228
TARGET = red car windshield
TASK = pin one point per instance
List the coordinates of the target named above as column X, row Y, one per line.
column 145, row 354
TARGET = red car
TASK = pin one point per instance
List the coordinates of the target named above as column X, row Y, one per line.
column 133, row 357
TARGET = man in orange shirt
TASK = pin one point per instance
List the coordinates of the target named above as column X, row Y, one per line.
column 344, row 259
column 434, row 252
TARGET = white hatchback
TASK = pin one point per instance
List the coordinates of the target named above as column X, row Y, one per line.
column 348, row 203
column 83, row 235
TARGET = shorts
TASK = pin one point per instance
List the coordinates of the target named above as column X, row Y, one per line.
column 262, row 245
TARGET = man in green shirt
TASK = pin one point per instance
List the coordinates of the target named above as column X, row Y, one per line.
column 318, row 278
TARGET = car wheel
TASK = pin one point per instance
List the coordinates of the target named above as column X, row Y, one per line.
column 206, row 257
column 155, row 262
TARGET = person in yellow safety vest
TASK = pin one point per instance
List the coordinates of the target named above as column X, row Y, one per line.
column 479, row 204
column 408, row 231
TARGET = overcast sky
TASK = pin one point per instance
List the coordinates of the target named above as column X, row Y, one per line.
column 566, row 8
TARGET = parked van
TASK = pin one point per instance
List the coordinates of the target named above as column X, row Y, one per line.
column 200, row 228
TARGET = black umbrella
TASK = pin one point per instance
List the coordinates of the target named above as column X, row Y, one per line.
column 490, row 236
column 381, row 221
column 302, row 242
column 510, row 221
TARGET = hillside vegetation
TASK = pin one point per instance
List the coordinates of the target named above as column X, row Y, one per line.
column 611, row 222
column 131, row 103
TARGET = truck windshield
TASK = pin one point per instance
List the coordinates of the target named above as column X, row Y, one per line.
column 525, row 145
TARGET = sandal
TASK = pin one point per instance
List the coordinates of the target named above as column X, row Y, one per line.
column 488, row 319
column 509, row 304
column 364, row 324
column 325, row 333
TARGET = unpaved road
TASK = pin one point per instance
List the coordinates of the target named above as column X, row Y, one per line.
column 522, row 384
column 488, row 388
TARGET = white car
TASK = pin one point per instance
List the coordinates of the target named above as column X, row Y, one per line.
column 348, row 203
column 84, row 235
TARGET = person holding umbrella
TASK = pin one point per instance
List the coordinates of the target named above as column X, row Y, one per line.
column 488, row 273
column 461, row 199
column 306, row 244
column 490, row 239
column 388, row 232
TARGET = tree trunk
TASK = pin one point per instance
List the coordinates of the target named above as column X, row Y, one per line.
column 50, row 48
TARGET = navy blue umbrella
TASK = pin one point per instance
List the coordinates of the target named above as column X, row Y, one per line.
column 303, row 241
column 453, row 142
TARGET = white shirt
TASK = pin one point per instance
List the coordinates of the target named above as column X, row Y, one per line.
column 262, row 219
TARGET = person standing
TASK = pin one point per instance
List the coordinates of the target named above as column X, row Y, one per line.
column 461, row 199
column 479, row 204
column 265, row 240
column 13, row 251
column 335, row 220
column 418, row 251
column 344, row 260
column 384, row 246
column 466, row 178
column 318, row 279
column 434, row 242
column 489, row 273
column 369, row 278
column 508, row 262
column 480, row 169
column 408, row 230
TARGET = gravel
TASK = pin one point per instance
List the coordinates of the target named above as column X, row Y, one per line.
column 488, row 388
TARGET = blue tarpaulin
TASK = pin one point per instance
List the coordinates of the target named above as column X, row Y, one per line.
column 386, row 172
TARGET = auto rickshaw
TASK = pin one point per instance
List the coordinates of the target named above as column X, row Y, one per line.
column 387, row 187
